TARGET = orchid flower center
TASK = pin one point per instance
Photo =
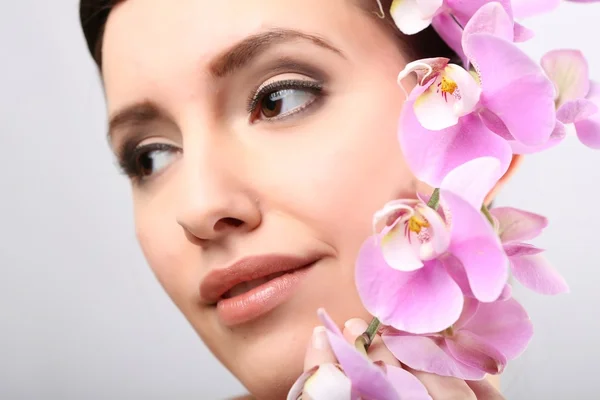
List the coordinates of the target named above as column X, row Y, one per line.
column 416, row 223
column 448, row 332
column 448, row 86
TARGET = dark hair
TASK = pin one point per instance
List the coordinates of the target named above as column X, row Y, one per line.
column 426, row 44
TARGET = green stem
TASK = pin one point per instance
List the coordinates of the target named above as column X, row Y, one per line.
column 365, row 340
column 434, row 201
column 487, row 214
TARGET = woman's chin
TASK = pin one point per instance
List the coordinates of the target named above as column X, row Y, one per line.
column 267, row 354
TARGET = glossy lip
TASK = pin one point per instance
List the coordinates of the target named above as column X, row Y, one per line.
column 219, row 281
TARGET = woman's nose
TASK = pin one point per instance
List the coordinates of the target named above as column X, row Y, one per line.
column 215, row 201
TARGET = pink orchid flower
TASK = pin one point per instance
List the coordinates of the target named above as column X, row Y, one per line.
column 482, row 341
column 448, row 17
column 356, row 377
column 577, row 98
column 510, row 83
column 422, row 296
column 528, row 265
column 530, row 8
column 417, row 233
column 447, row 91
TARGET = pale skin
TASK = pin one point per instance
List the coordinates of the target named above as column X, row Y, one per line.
column 228, row 182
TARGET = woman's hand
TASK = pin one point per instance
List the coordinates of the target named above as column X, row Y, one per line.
column 439, row 388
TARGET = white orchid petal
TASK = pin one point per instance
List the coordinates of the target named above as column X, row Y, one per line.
column 453, row 94
column 401, row 208
column 469, row 88
column 429, row 8
column 401, row 249
column 435, row 110
column 328, row 383
column 408, row 16
column 439, row 232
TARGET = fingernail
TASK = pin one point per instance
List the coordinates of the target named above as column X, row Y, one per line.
column 319, row 339
column 356, row 326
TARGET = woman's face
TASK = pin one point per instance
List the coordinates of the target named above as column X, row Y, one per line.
column 255, row 128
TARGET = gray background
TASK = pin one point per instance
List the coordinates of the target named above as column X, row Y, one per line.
column 82, row 316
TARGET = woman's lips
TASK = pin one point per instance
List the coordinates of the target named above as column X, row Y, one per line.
column 241, row 305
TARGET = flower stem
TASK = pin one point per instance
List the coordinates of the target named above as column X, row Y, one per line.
column 434, row 201
column 363, row 342
column 487, row 214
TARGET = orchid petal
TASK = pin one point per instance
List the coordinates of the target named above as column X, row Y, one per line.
column 323, row 382
column 576, row 110
column 506, row 293
column 439, row 235
column 456, row 270
column 408, row 17
column 518, row 224
column 406, row 384
column 423, row 354
column 588, row 131
column 515, row 250
column 558, row 135
column 434, row 110
column 470, row 308
column 492, row 19
column 429, row 8
column 473, row 180
column 495, row 124
column 504, row 325
column 522, row 34
column 451, row 33
column 426, row 69
column 513, row 83
column 467, row 140
column 453, row 94
column 298, row 386
column 471, row 350
column 463, row 10
column 400, row 251
column 594, row 93
column 534, row 271
column 569, row 71
column 477, row 246
column 366, row 377
column 394, row 210
column 426, row 300
column 529, row 8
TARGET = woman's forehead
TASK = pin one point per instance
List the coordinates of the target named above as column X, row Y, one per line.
column 148, row 39
column 208, row 26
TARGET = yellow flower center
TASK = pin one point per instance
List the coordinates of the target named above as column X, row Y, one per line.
column 448, row 85
column 416, row 223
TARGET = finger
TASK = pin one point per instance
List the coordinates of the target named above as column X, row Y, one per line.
column 444, row 387
column 485, row 390
column 355, row 327
column 318, row 351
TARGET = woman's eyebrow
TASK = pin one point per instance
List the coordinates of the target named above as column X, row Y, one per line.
column 251, row 47
column 233, row 59
column 134, row 116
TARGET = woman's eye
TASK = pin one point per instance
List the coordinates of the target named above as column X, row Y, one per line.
column 282, row 99
column 284, row 102
column 147, row 160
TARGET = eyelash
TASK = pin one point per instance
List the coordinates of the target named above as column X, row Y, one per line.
column 257, row 97
column 129, row 157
